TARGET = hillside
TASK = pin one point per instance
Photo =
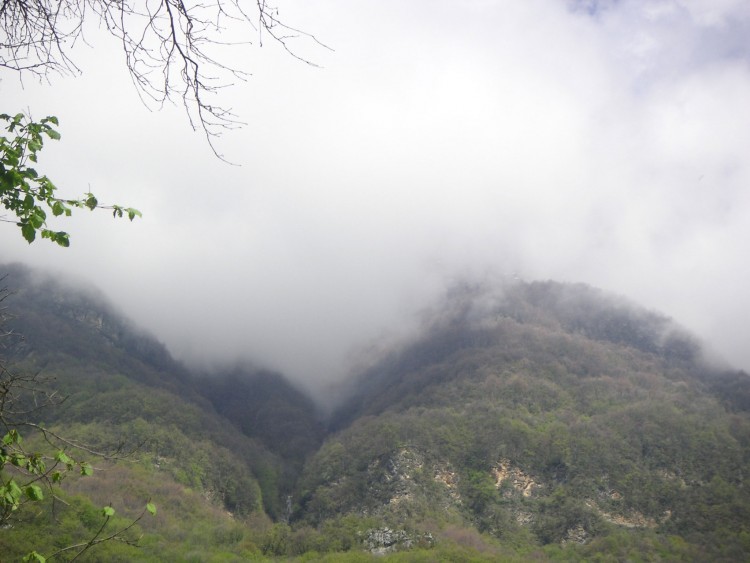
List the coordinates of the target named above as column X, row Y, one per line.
column 123, row 390
column 545, row 414
column 535, row 421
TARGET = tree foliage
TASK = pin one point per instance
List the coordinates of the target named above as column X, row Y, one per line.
column 514, row 440
column 32, row 197
column 31, row 472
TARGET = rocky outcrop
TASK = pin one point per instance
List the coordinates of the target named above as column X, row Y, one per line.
column 577, row 534
column 448, row 478
column 380, row 541
column 520, row 482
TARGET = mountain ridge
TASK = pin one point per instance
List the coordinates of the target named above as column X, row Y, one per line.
column 526, row 418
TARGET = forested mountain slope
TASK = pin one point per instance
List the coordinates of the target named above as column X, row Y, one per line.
column 544, row 323
column 123, row 389
column 263, row 405
column 545, row 413
column 533, row 421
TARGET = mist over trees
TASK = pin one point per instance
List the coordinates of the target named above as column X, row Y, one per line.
column 520, row 420
column 168, row 45
column 542, row 420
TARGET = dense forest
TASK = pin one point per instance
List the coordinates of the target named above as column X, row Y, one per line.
column 524, row 421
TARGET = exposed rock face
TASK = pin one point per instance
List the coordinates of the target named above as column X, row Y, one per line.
column 524, row 518
column 545, row 412
column 449, row 479
column 393, row 476
column 91, row 317
column 398, row 481
column 633, row 519
column 519, row 481
column 380, row 541
column 628, row 519
column 577, row 534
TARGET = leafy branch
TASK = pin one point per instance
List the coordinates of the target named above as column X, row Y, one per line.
column 28, row 476
column 29, row 196
column 107, row 513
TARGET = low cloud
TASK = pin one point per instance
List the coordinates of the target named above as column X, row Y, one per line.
column 603, row 142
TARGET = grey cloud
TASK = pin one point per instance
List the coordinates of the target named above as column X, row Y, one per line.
column 515, row 138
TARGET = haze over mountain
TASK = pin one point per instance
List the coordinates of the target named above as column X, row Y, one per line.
column 585, row 141
column 519, row 421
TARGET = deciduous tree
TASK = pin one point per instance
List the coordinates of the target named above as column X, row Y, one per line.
column 29, row 196
column 173, row 49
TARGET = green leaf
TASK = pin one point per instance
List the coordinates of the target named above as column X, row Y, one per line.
column 12, row 159
column 151, row 507
column 13, row 492
column 12, row 437
column 34, row 492
column 29, row 196
column 63, row 239
column 62, row 457
column 28, row 232
column 108, row 511
column 18, row 460
column 58, row 209
column 34, row 556
column 36, row 465
column 86, row 469
column 37, row 218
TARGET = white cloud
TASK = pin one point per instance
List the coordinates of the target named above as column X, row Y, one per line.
column 603, row 146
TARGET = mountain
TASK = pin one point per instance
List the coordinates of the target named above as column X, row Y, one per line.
column 545, row 414
column 264, row 406
column 530, row 421
column 123, row 391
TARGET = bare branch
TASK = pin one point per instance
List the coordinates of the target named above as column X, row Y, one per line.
column 169, row 46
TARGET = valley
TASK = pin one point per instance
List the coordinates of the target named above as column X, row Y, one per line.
column 525, row 421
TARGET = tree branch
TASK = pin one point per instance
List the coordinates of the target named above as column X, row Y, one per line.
column 168, row 46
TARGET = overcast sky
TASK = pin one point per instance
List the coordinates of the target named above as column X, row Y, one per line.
column 603, row 142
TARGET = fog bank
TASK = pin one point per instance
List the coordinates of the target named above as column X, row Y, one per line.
column 602, row 142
